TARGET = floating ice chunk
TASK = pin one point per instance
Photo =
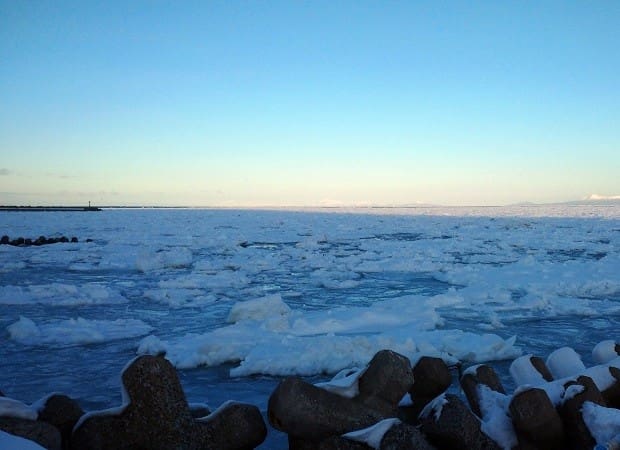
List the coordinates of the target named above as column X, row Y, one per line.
column 15, row 408
column 605, row 351
column 23, row 329
column 345, row 383
column 565, row 362
column 259, row 309
column 372, row 435
column 149, row 260
column 523, row 372
column 11, row 442
column 151, row 345
column 75, row 331
column 60, row 294
column 603, row 423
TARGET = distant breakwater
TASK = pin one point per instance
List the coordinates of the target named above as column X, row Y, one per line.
column 49, row 208
column 41, row 240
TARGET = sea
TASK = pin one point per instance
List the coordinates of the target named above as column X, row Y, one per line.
column 238, row 299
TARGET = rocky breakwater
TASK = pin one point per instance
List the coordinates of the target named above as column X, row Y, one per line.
column 397, row 405
column 154, row 415
column 41, row 240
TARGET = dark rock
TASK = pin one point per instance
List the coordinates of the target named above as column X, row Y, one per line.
column 41, row 240
column 29, row 242
column 385, row 381
column 539, row 364
column 455, row 428
column 404, row 437
column 42, row 433
column 74, row 240
column 612, row 393
column 62, row 412
column 482, row 374
column 158, row 417
column 4, row 240
column 330, row 443
column 577, row 432
column 1, row 394
column 235, row 426
column 305, row 411
column 431, row 378
column 63, row 239
column 89, row 240
column 198, row 410
column 17, row 242
column 536, row 420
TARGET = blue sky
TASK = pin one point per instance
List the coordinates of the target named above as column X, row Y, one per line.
column 308, row 103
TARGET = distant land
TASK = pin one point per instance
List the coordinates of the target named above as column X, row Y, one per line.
column 592, row 200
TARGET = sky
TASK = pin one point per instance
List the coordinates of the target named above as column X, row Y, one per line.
column 306, row 103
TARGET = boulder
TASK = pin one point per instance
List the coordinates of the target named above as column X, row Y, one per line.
column 474, row 376
column 577, row 432
column 74, row 240
column 612, row 393
column 404, row 437
column 5, row 240
column 536, row 420
column 385, row 381
column 199, row 410
column 156, row 416
column 62, row 412
column 330, row 443
column 42, row 433
column 306, row 411
column 234, row 426
column 539, row 364
column 431, row 378
column 449, row 424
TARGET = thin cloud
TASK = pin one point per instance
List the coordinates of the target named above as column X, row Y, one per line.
column 5, row 172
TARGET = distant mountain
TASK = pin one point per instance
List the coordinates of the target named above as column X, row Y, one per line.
column 595, row 199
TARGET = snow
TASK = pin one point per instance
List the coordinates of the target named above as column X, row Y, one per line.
column 572, row 391
column 372, row 435
column 496, row 421
column 78, row 331
column 605, row 351
column 11, row 442
column 15, row 408
column 564, row 362
column 603, row 423
column 345, row 383
column 523, row 372
column 435, row 407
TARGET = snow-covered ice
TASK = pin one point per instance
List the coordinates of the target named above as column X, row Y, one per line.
column 75, row 331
